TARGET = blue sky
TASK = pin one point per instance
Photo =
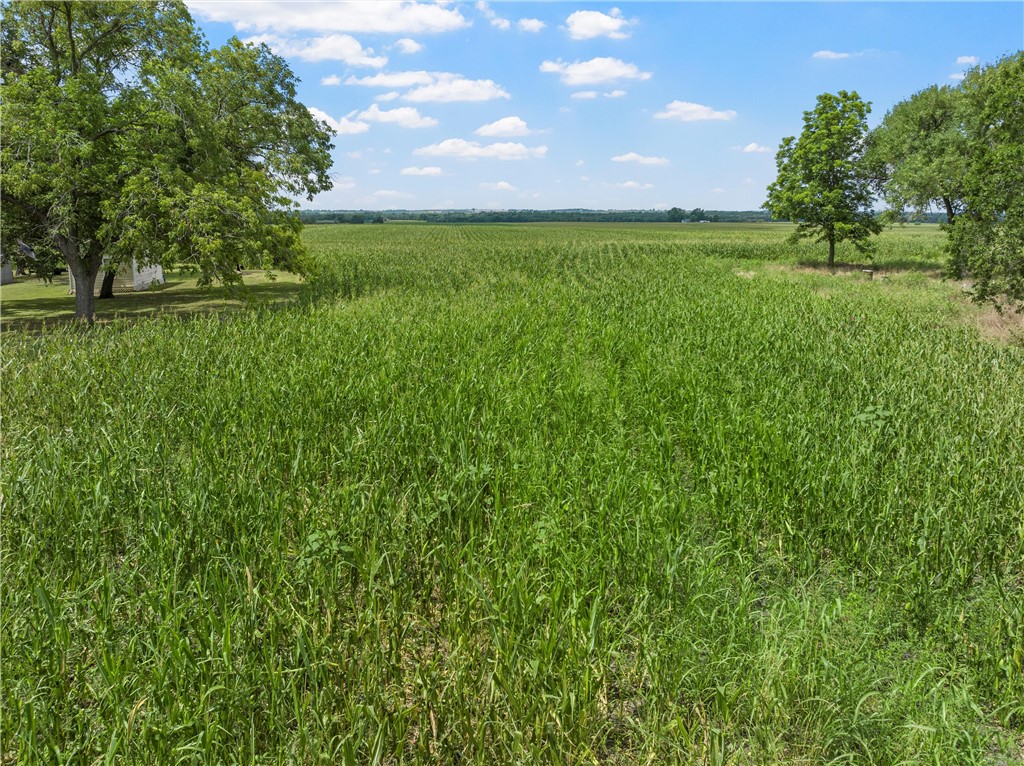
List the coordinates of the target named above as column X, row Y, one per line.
column 630, row 105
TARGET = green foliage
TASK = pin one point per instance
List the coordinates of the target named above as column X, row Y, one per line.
column 557, row 494
column 918, row 154
column 987, row 244
column 126, row 137
column 823, row 184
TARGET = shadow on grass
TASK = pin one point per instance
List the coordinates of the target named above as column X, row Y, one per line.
column 33, row 306
column 929, row 267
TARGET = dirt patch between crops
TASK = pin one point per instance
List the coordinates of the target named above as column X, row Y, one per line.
column 1005, row 327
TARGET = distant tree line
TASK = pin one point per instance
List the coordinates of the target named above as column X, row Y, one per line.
column 675, row 215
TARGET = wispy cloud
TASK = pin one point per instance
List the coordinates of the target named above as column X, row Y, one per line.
column 331, row 79
column 967, row 60
column 588, row 94
column 830, row 55
column 584, row 25
column 462, row 149
column 686, row 111
column 641, row 159
column 428, row 171
column 395, row 79
column 596, row 71
column 753, row 148
column 496, row 21
column 499, row 186
column 633, row 185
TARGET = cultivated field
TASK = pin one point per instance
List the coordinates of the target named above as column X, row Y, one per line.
column 524, row 494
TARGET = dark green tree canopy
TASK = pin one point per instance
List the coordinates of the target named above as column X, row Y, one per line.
column 987, row 243
column 823, row 184
column 918, row 154
column 126, row 137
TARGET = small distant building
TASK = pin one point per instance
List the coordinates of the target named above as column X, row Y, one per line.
column 128, row 279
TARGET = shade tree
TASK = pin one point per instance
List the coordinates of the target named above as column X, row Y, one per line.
column 126, row 137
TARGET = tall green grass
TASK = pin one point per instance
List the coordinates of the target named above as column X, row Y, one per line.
column 521, row 495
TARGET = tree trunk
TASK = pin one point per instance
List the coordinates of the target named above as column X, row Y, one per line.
column 84, row 270
column 831, row 253
column 950, row 215
column 107, row 286
column 85, row 283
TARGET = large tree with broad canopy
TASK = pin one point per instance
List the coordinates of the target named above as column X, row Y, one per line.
column 126, row 137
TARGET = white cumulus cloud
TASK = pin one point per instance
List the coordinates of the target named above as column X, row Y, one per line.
column 967, row 60
column 584, row 94
column 456, row 88
column 755, row 147
column 506, row 126
column 957, row 76
column 343, row 126
column 686, row 111
column 327, row 48
column 408, row 45
column 595, row 71
column 438, row 87
column 530, row 25
column 633, row 185
column 500, row 186
column 641, row 159
column 584, row 25
column 403, row 116
column 331, row 79
column 429, row 171
column 615, row 94
column 396, row 17
column 460, row 148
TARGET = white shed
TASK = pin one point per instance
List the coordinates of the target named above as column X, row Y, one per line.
column 129, row 278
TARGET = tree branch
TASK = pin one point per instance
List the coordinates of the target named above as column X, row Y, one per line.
column 36, row 212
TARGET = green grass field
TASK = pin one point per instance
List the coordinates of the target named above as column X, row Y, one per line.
column 32, row 303
column 524, row 494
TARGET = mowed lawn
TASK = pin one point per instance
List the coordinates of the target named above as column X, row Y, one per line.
column 524, row 494
column 32, row 303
